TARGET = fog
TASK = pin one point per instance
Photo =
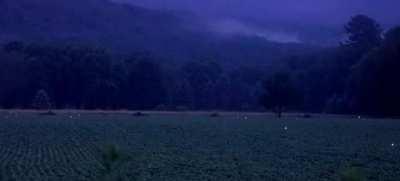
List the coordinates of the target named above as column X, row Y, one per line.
column 235, row 27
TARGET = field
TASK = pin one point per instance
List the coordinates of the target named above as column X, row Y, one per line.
column 194, row 146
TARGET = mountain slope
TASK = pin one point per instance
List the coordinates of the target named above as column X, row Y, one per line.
column 83, row 20
column 126, row 29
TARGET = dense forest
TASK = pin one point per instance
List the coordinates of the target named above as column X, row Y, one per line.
column 176, row 69
column 84, row 77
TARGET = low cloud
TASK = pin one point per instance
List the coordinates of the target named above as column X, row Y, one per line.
column 235, row 27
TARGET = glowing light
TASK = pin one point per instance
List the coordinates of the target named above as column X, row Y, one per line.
column 359, row 117
column 246, row 118
column 285, row 128
column 392, row 145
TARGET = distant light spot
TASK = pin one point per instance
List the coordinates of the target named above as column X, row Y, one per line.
column 285, row 128
column 392, row 145
column 359, row 117
column 246, row 118
column 70, row 117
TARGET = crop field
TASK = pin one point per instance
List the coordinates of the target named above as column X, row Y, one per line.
column 74, row 146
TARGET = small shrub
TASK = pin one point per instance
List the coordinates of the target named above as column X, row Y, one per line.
column 352, row 174
column 42, row 102
column 308, row 116
column 215, row 114
column 110, row 156
column 48, row 113
column 112, row 159
column 140, row 114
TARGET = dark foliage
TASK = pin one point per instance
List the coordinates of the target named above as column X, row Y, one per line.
column 364, row 34
column 48, row 113
column 375, row 89
column 215, row 115
column 84, row 77
column 307, row 116
column 140, row 114
column 144, row 85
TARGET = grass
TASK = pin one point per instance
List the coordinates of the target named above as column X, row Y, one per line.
column 82, row 146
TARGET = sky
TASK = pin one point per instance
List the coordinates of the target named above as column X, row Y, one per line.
column 329, row 12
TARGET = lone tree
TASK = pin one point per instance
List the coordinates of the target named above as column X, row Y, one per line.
column 280, row 93
column 42, row 101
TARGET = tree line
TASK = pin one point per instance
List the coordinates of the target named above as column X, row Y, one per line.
column 358, row 76
column 83, row 77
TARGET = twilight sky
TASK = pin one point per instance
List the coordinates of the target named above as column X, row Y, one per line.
column 328, row 12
